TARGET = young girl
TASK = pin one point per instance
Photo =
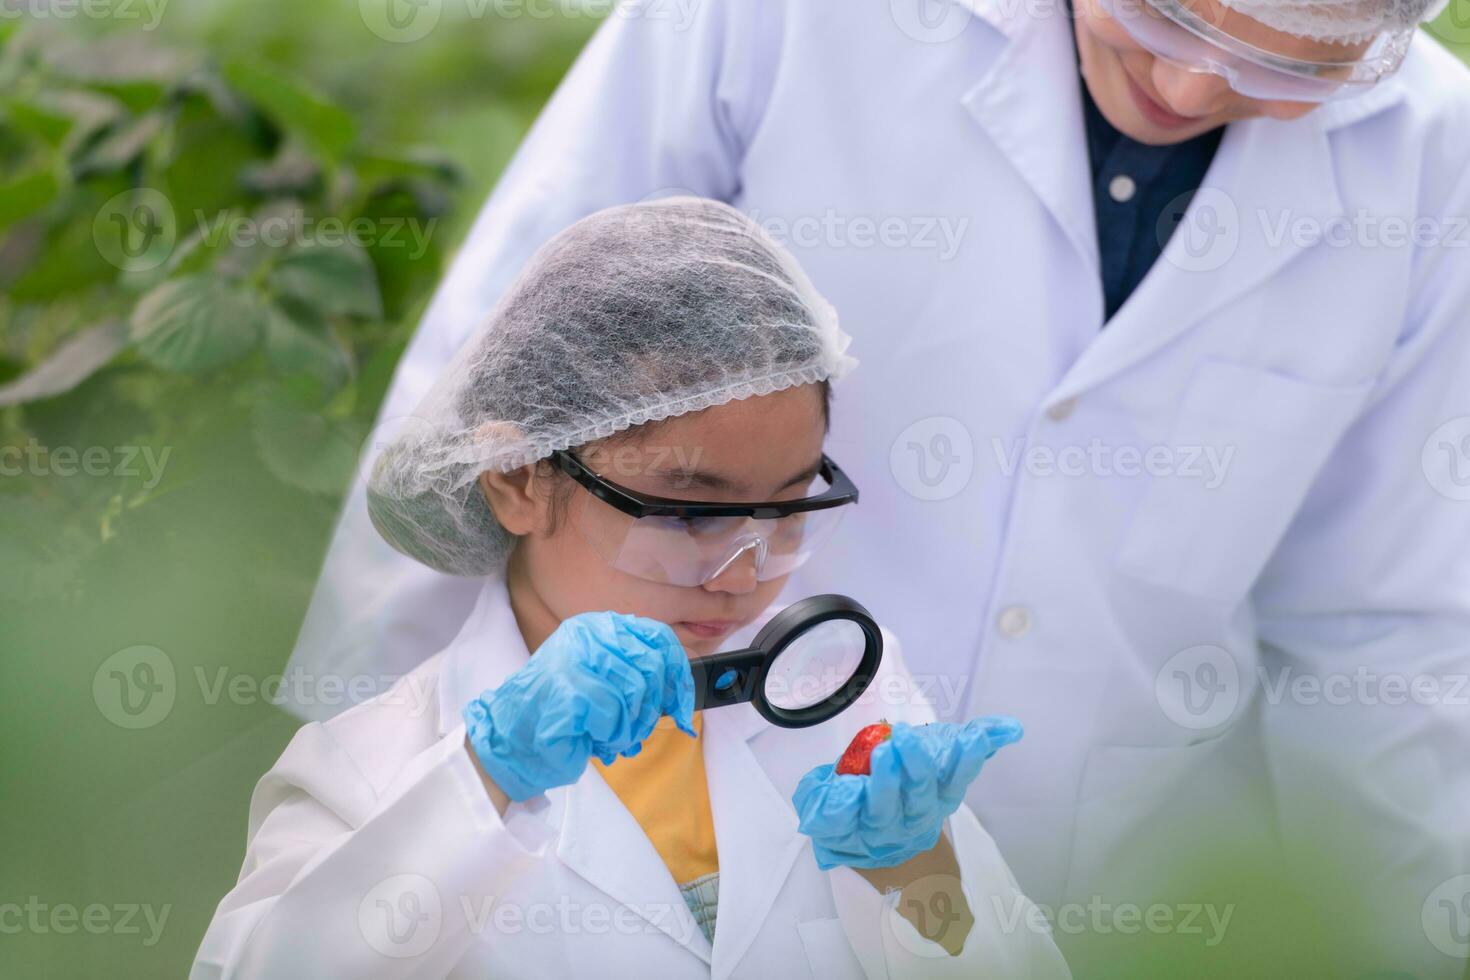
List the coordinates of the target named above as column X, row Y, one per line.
column 566, row 813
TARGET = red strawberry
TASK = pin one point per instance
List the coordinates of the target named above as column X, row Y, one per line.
column 858, row 759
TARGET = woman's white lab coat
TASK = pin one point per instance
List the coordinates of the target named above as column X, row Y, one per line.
column 374, row 851
column 1137, row 539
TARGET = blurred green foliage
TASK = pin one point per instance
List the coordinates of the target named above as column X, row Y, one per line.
column 223, row 379
column 217, row 232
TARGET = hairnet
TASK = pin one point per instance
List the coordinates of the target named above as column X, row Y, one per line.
column 634, row 314
column 1339, row 21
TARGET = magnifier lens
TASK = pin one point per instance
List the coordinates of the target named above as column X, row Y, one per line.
column 815, row 665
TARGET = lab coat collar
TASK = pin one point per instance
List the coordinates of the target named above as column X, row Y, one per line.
column 1027, row 97
column 755, row 829
column 755, row 825
column 1271, row 194
column 1267, row 175
column 599, row 839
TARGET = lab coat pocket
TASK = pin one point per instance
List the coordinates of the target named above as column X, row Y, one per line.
column 1246, row 445
column 1136, row 804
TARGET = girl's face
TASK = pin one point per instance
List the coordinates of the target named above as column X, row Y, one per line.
column 758, row 449
column 1159, row 103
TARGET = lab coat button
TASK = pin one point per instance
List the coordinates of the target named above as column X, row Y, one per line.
column 1015, row 621
column 1062, row 410
column 1122, row 188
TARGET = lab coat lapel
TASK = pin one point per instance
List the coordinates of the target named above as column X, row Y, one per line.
column 599, row 839
column 755, row 829
column 602, row 842
column 1270, row 181
column 755, row 825
column 1030, row 105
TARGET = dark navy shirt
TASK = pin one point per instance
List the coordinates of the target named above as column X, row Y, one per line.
column 1140, row 194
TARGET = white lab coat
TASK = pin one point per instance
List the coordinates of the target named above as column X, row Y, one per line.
column 1321, row 364
column 375, row 852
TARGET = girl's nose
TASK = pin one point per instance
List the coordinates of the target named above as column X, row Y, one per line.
column 736, row 578
column 1189, row 93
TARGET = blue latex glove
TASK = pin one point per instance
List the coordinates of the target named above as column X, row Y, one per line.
column 919, row 777
column 597, row 686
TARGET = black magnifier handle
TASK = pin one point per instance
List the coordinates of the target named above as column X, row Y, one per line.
column 739, row 676
column 726, row 678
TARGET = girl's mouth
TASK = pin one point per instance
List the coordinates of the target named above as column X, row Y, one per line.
column 707, row 629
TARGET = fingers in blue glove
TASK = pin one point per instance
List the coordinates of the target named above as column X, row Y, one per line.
column 905, row 787
column 918, row 777
column 664, row 659
column 598, row 685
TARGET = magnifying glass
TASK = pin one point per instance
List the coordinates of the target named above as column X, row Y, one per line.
column 808, row 664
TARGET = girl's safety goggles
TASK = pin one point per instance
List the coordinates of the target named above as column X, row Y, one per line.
column 681, row 542
column 1169, row 30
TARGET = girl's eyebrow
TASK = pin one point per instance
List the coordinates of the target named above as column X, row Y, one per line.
column 684, row 479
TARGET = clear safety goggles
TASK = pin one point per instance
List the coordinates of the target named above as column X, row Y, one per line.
column 680, row 542
column 1171, row 31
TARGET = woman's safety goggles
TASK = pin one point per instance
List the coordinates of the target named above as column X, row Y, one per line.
column 1169, row 30
column 681, row 542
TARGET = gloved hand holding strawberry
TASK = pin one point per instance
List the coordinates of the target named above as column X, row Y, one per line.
column 916, row 778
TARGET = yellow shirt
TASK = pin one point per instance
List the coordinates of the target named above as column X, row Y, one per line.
column 664, row 787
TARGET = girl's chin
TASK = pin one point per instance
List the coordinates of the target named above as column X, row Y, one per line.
column 697, row 649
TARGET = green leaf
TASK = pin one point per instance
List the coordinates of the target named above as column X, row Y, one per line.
column 74, row 362
column 121, row 146
column 197, row 323
column 294, row 106
column 47, row 122
column 291, row 174
column 424, row 162
column 296, row 342
column 304, row 449
column 68, row 263
column 130, row 62
column 25, row 195
column 89, row 111
column 331, row 279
